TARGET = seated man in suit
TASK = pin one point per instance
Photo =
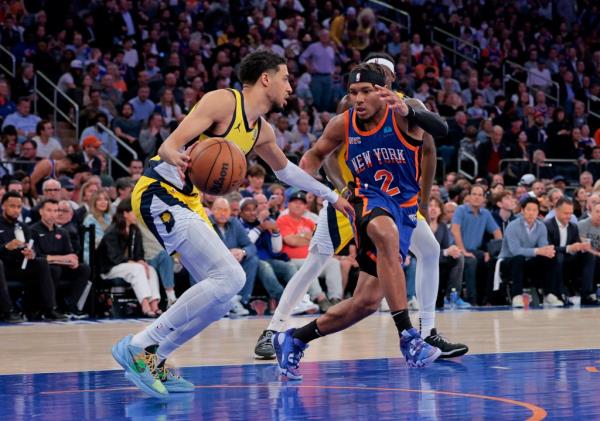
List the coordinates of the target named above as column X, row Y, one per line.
column 525, row 252
column 572, row 255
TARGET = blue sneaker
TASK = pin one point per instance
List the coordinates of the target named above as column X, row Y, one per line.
column 462, row 304
column 140, row 367
column 288, row 351
column 417, row 352
column 173, row 382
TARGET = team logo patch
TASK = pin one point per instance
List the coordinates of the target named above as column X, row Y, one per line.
column 354, row 140
column 167, row 219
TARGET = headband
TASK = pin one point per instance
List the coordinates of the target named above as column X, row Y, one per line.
column 366, row 76
column 383, row 62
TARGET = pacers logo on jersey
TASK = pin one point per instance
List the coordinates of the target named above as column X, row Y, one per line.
column 167, row 219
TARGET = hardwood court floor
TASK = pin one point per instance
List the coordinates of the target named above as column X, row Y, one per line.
column 72, row 347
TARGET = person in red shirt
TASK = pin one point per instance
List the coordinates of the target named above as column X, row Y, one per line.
column 296, row 232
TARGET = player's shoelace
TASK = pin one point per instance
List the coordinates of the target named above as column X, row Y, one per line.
column 165, row 372
column 148, row 360
column 266, row 338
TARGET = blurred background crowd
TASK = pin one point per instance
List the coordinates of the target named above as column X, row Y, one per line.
column 99, row 85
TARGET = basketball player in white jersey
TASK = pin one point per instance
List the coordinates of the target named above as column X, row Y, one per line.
column 170, row 206
column 333, row 234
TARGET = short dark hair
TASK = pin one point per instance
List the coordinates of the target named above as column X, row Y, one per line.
column 530, row 199
column 10, row 194
column 40, row 126
column 47, row 200
column 30, row 142
column 562, row 201
column 257, row 63
column 257, row 171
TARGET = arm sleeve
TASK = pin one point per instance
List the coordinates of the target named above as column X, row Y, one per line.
column 294, row 176
column 430, row 122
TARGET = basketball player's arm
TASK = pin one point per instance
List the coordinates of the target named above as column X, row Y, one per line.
column 428, row 163
column 291, row 174
column 213, row 108
column 331, row 139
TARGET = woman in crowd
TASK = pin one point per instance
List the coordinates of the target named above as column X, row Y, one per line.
column 451, row 259
column 121, row 255
column 99, row 216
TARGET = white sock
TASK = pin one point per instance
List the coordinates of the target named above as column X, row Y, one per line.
column 171, row 294
column 427, row 278
column 297, row 287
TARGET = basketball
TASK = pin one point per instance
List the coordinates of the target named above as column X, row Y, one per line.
column 216, row 166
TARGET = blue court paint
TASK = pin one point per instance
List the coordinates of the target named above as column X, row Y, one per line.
column 514, row 386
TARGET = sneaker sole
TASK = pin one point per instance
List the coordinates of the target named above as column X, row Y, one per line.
column 264, row 357
column 180, row 389
column 130, row 375
column 454, row 353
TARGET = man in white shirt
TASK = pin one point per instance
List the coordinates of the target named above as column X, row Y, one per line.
column 22, row 120
column 46, row 143
column 539, row 76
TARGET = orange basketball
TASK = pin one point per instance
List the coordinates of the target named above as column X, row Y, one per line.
column 217, row 166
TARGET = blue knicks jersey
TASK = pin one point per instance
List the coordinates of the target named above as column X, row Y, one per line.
column 383, row 162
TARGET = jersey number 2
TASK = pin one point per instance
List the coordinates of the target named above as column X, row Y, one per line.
column 387, row 180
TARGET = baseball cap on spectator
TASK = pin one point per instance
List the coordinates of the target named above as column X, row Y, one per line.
column 299, row 195
column 527, row 180
column 91, row 141
column 66, row 183
column 76, row 64
column 559, row 178
column 248, row 201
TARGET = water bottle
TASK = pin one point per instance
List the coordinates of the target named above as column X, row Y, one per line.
column 19, row 234
column 453, row 298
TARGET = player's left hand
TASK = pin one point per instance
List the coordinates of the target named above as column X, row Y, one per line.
column 392, row 99
column 344, row 206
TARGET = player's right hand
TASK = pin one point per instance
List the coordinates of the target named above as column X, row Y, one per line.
column 344, row 206
column 175, row 157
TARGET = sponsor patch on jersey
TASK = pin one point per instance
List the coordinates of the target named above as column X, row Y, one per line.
column 354, row 140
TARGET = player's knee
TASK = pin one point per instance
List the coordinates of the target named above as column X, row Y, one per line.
column 235, row 278
column 367, row 305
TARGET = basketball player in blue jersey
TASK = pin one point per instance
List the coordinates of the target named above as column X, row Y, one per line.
column 334, row 232
column 384, row 163
column 169, row 204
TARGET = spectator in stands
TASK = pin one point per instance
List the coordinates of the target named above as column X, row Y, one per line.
column 572, row 255
column 489, row 154
column 22, row 119
column 98, row 215
column 127, row 128
column 159, row 259
column 46, row 143
column 451, row 258
column 24, row 85
column 95, row 107
column 233, row 234
column 526, row 253
column 505, row 205
column 28, row 157
column 169, row 109
column 469, row 224
column 152, row 136
column 136, row 169
column 589, row 231
column 282, row 135
column 256, row 180
column 301, row 139
column 586, row 180
column 592, row 200
column 64, row 220
column 142, row 105
column 296, row 231
column 554, row 195
column 109, row 144
column 121, row 255
column 319, row 59
column 7, row 106
column 14, row 238
column 124, row 187
column 53, row 244
column 273, row 272
column 90, row 154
